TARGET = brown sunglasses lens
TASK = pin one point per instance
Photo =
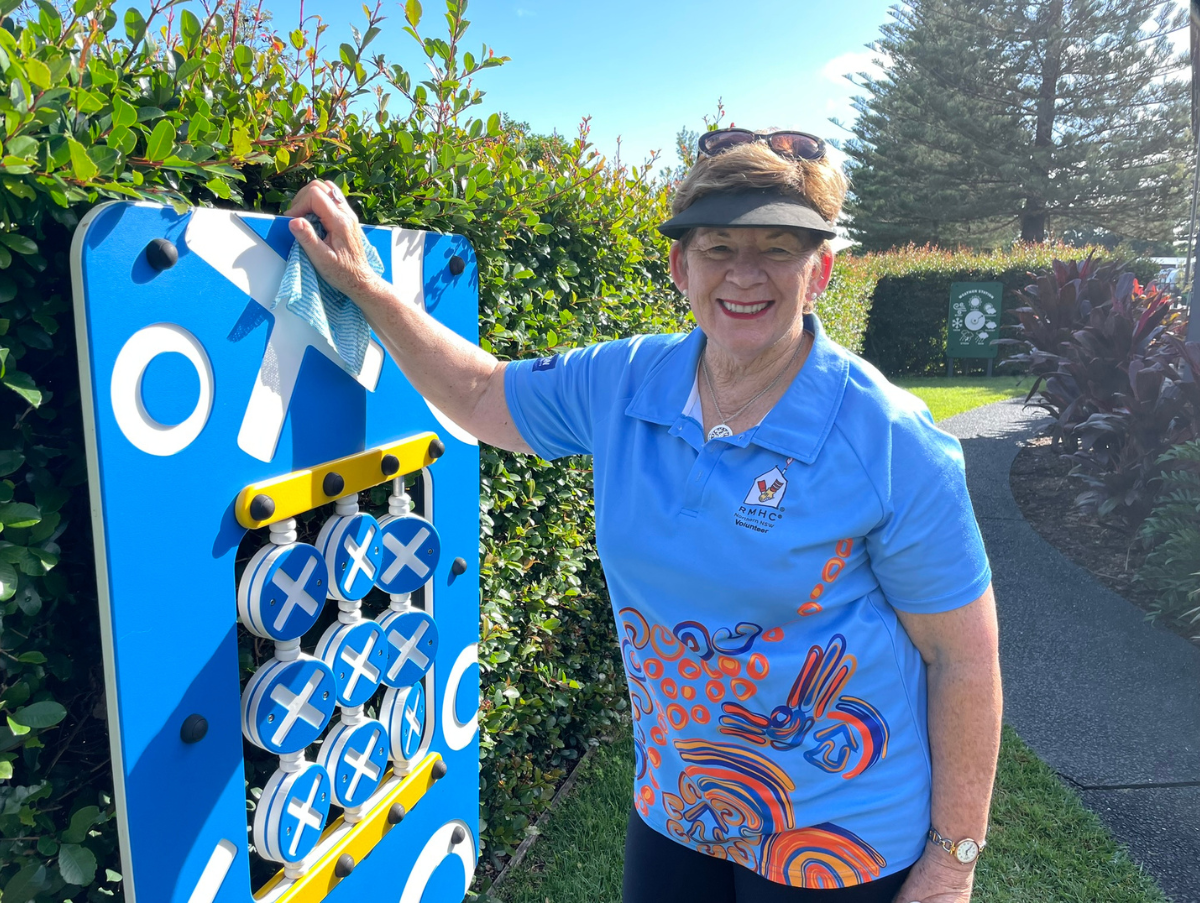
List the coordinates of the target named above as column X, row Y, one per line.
column 797, row 144
column 713, row 143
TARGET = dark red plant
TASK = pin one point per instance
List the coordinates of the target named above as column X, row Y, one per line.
column 1109, row 365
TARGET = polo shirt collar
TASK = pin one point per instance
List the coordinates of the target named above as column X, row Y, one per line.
column 796, row 426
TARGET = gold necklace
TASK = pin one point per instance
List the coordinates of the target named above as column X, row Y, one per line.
column 722, row 430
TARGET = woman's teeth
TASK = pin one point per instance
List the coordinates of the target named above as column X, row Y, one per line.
column 736, row 308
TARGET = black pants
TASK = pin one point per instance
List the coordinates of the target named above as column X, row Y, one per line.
column 659, row 870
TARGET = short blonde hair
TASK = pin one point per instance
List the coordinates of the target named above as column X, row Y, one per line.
column 820, row 184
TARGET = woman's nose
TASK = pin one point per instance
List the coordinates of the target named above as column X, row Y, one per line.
column 746, row 269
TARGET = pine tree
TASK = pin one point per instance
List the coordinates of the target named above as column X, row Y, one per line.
column 1005, row 119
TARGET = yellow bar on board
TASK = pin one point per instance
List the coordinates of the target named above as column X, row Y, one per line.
column 320, row 879
column 277, row 499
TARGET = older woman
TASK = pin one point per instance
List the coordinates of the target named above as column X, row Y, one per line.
column 800, row 589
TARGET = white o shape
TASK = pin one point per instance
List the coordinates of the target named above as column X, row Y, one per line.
column 135, row 421
column 437, row 848
column 458, row 733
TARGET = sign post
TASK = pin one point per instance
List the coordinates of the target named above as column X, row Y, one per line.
column 973, row 323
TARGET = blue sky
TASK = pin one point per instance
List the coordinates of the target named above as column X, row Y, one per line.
column 644, row 69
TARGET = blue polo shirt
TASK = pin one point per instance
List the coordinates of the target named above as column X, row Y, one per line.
column 779, row 705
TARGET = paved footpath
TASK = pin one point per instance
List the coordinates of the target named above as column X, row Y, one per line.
column 1111, row 703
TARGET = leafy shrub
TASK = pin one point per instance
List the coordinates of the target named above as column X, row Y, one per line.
column 1106, row 357
column 1172, row 534
column 909, row 293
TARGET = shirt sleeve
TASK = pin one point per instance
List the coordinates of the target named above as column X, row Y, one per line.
column 927, row 552
column 551, row 401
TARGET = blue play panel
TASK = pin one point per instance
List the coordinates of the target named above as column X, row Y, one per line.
column 214, row 420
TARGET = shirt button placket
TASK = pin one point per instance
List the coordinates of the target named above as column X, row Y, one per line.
column 706, row 462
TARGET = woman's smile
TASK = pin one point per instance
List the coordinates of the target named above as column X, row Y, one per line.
column 743, row 310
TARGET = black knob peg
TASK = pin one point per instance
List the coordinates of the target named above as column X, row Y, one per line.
column 437, row 448
column 396, row 813
column 458, row 567
column 457, row 265
column 195, row 728
column 161, row 254
column 333, row 484
column 389, row 465
column 344, row 866
column 438, row 770
column 458, row 835
column 262, row 507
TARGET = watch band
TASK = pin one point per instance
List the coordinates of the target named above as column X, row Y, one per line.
column 964, row 851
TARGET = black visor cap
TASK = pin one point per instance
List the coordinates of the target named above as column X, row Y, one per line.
column 742, row 209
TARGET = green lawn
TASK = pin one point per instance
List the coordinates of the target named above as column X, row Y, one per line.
column 949, row 396
column 1043, row 845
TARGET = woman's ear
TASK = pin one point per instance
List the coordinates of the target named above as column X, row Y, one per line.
column 823, row 271
column 678, row 260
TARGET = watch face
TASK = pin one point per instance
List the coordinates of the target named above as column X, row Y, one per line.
column 966, row 851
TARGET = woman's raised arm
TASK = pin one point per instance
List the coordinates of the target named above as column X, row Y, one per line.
column 458, row 378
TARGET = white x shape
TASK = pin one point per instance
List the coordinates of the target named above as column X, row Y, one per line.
column 296, row 594
column 305, row 814
column 298, row 708
column 406, row 555
column 358, row 559
column 359, row 664
column 406, row 648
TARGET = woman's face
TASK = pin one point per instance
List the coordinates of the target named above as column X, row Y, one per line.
column 748, row 287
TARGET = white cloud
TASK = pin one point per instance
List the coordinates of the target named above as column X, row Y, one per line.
column 851, row 64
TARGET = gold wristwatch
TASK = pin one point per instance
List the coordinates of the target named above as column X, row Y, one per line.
column 965, row 851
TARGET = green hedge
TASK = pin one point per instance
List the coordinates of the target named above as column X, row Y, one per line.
column 905, row 294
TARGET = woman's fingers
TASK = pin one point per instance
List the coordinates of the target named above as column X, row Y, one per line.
column 302, row 202
column 339, row 222
column 339, row 257
column 316, row 249
column 310, row 197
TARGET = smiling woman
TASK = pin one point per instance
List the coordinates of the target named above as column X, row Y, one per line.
column 800, row 589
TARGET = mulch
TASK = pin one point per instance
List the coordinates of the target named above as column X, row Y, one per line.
column 1110, row 552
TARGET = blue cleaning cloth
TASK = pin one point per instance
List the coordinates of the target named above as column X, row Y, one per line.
column 322, row 306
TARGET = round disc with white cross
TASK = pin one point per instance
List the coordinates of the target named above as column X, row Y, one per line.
column 411, row 548
column 356, row 756
column 352, row 550
column 291, row 813
column 403, row 711
column 286, row 705
column 412, row 640
column 282, row 591
column 358, row 655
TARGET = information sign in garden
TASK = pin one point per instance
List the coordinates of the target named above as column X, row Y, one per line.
column 974, row 321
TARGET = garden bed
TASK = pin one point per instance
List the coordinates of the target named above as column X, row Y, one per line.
column 1111, row 553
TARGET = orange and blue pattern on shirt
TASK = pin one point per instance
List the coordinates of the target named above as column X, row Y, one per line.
column 708, row 745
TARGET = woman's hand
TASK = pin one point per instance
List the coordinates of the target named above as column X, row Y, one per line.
column 934, row 880
column 339, row 257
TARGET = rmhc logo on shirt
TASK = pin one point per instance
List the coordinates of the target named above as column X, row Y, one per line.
column 760, row 510
column 768, row 488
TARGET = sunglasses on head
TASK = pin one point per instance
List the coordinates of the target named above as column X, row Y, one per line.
column 799, row 145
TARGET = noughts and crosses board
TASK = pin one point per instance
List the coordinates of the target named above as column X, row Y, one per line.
column 216, row 424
